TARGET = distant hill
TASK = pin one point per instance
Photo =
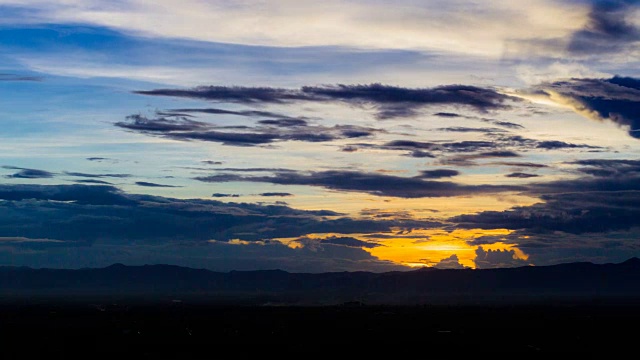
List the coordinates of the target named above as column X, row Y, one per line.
column 570, row 282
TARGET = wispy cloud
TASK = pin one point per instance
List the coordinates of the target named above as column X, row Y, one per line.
column 25, row 173
column 372, row 183
column 391, row 101
column 186, row 129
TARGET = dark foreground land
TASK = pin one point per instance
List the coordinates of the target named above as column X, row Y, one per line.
column 174, row 329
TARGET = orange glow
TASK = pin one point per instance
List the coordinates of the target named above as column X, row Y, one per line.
column 422, row 247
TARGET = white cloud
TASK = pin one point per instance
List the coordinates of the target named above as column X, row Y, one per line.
column 470, row 26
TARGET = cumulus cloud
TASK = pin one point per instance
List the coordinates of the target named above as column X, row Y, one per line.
column 497, row 258
column 451, row 262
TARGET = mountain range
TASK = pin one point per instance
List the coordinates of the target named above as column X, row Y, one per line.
column 580, row 281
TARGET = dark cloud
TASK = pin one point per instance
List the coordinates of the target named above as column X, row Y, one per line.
column 608, row 167
column 468, row 160
column 150, row 184
column 616, row 99
column 25, row 173
column 524, row 143
column 220, row 195
column 15, row 77
column 78, row 194
column 284, row 122
column 609, row 29
column 451, row 262
column 281, row 194
column 606, row 199
column 372, row 183
column 186, row 129
column 211, row 162
column 336, row 240
column 437, row 174
column 247, row 113
column 79, row 174
column 519, row 164
column 508, row 124
column 391, row 101
column 93, row 213
column 575, row 213
column 92, row 181
column 521, row 175
column 386, row 214
column 447, row 114
column 497, row 145
column 469, row 129
column 487, row 259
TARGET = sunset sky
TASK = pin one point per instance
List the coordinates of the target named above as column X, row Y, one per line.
column 319, row 136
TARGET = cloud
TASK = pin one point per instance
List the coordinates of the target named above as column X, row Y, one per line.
column 486, row 259
column 14, row 77
column 391, row 101
column 211, row 162
column 616, row 99
column 469, row 129
column 371, row 183
column 337, row 240
column 521, row 175
column 520, row 164
column 92, row 181
column 606, row 198
column 88, row 175
column 150, row 184
column 186, row 129
column 438, row 173
column 277, row 119
column 221, row 195
column 98, row 213
column 498, row 144
column 452, row 262
column 280, row 194
column 608, row 167
column 609, row 29
column 26, row 173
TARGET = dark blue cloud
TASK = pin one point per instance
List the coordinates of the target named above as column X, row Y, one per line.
column 150, row 184
column 438, row 173
column 180, row 128
column 609, row 29
column 25, row 173
column 391, row 101
column 89, row 213
column 372, row 183
column 616, row 99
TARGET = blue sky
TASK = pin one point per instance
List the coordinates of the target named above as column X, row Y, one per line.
column 312, row 137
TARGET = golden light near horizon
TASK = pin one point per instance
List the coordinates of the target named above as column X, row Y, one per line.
column 422, row 247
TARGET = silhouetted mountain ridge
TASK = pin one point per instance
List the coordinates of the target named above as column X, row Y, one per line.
column 582, row 281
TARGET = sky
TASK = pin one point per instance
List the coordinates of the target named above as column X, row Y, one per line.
column 313, row 137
